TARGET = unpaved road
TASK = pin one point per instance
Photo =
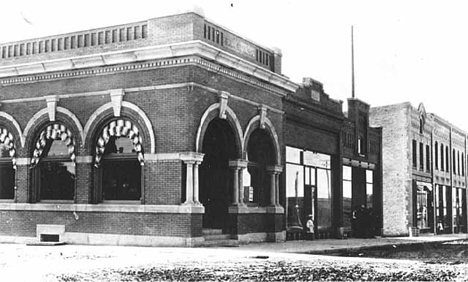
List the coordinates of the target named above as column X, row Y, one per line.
column 104, row 263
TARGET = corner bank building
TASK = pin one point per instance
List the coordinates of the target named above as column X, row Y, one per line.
column 173, row 132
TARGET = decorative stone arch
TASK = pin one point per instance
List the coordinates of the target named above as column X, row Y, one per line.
column 94, row 121
column 8, row 140
column 263, row 123
column 16, row 126
column 45, row 112
column 54, row 131
column 213, row 112
column 121, row 127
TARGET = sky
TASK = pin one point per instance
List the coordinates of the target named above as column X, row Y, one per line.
column 404, row 51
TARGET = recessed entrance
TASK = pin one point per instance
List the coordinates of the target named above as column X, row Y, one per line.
column 215, row 178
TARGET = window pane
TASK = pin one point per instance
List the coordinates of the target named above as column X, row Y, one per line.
column 347, row 173
column 293, row 155
column 291, row 178
column 347, row 203
column 121, row 145
column 369, row 176
column 57, row 180
column 7, row 181
column 324, row 198
column 58, row 148
column 121, row 180
column 4, row 152
column 316, row 159
column 312, row 176
column 370, row 195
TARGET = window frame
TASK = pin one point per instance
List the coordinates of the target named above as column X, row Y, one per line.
column 99, row 178
column 37, row 183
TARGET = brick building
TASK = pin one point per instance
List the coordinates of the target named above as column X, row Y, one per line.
column 166, row 132
column 333, row 162
column 424, row 171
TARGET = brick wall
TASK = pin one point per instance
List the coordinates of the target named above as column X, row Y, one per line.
column 174, row 113
column 23, row 223
column 396, row 159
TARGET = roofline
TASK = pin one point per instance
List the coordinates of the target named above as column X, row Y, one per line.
column 196, row 47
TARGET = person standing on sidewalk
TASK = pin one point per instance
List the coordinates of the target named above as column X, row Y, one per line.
column 310, row 234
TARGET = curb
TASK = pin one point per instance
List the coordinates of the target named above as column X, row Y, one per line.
column 388, row 246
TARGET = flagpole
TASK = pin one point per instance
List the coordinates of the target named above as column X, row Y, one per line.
column 352, row 63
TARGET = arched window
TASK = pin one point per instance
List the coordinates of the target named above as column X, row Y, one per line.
column 441, row 157
column 436, row 155
column 54, row 164
column 119, row 158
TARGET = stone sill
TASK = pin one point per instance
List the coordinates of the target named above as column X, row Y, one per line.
column 243, row 209
column 123, row 208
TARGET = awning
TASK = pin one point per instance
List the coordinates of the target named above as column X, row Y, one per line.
column 119, row 128
column 7, row 139
column 53, row 132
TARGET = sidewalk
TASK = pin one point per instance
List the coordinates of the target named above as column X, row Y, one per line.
column 335, row 245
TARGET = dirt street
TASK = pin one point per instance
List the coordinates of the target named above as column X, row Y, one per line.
column 104, row 263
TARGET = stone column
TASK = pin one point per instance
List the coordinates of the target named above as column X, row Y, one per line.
column 191, row 161
column 277, row 190
column 195, row 183
column 274, row 185
column 237, row 166
column 189, row 182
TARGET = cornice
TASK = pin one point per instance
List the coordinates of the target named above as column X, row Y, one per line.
column 80, row 65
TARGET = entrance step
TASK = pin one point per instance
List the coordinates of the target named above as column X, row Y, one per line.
column 207, row 232
column 216, row 238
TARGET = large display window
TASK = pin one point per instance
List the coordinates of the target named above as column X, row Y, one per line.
column 308, row 188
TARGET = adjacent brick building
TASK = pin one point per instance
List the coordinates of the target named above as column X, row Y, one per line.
column 334, row 160
column 424, row 171
column 170, row 131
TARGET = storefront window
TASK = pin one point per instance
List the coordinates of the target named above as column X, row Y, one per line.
column 347, row 196
column 324, row 203
column 308, row 188
column 294, row 194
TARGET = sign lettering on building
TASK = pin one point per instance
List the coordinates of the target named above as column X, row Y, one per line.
column 239, row 46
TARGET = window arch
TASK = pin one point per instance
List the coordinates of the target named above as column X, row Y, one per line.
column 53, row 162
column 118, row 158
column 7, row 164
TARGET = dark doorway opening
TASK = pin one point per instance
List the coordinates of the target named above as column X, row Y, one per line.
column 215, row 180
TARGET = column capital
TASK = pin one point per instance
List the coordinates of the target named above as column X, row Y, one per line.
column 274, row 169
column 191, row 157
column 238, row 164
